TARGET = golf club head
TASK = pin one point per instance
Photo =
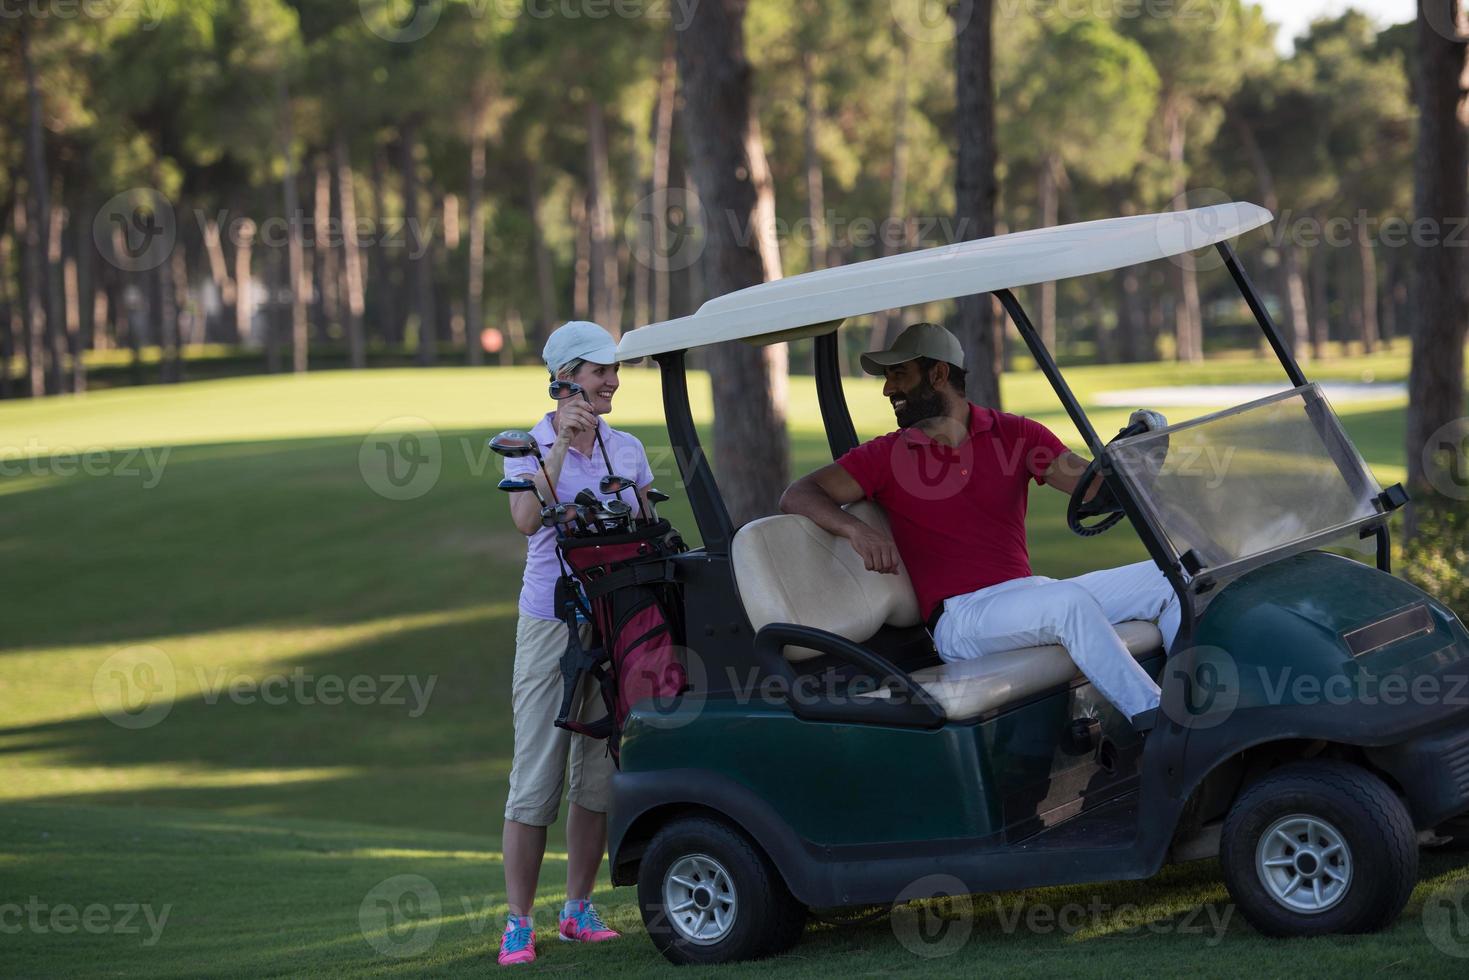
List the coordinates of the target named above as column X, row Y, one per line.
column 656, row 496
column 561, row 514
column 611, row 483
column 617, row 508
column 514, row 444
column 610, row 521
column 562, row 390
column 510, row 485
column 588, row 499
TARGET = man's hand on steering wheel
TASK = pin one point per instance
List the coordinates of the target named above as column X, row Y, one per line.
column 1084, row 504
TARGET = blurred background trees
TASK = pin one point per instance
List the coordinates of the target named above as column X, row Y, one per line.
column 342, row 185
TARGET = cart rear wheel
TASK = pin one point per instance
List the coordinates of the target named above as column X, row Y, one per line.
column 1319, row 847
column 708, row 895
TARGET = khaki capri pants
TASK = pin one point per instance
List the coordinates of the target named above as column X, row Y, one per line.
column 542, row 751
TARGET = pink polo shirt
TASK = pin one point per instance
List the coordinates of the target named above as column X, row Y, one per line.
column 578, row 472
column 958, row 513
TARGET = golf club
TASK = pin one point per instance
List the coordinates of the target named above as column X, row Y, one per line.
column 655, row 497
column 559, row 515
column 510, row 485
column 562, row 390
column 516, row 444
column 613, row 484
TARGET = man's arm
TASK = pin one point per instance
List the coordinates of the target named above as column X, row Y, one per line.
column 1065, row 473
column 820, row 497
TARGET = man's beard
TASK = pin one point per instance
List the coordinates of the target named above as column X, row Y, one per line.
column 923, row 403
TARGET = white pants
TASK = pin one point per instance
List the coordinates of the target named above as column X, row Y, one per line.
column 1077, row 614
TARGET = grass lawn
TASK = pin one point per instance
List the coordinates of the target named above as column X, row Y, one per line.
column 246, row 555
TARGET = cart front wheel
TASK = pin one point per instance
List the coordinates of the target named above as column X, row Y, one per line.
column 1319, row 847
column 708, row 895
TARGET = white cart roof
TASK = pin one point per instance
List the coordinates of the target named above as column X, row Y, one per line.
column 775, row 311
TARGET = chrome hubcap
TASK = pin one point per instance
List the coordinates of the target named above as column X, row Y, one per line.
column 1304, row 863
column 700, row 898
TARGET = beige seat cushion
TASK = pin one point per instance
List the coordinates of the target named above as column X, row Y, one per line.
column 789, row 570
column 969, row 688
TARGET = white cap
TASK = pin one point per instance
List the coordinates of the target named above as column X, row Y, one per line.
column 578, row 339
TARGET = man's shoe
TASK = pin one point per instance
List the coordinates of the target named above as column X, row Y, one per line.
column 518, row 945
column 580, row 923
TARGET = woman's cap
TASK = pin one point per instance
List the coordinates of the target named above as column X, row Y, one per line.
column 578, row 340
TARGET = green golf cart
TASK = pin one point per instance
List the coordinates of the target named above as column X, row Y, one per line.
column 1315, row 716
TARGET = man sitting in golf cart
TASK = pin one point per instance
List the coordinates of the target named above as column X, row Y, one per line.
column 954, row 481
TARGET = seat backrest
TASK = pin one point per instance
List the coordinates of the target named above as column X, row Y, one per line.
column 789, row 570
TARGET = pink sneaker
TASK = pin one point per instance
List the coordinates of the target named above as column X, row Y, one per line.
column 518, row 945
column 583, row 925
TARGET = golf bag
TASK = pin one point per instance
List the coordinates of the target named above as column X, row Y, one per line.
column 627, row 588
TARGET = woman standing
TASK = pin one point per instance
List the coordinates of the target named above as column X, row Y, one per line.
column 586, row 354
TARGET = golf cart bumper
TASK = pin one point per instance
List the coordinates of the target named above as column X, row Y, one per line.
column 1319, row 648
column 1433, row 772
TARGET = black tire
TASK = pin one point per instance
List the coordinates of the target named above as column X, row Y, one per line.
column 767, row 918
column 1368, row 817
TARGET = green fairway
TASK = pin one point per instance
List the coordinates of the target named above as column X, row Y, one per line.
column 335, row 665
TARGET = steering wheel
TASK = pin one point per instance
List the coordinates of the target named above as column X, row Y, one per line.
column 1105, row 504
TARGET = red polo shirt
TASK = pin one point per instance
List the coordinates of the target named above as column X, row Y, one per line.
column 958, row 513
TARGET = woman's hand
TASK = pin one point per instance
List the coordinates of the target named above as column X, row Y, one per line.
column 574, row 418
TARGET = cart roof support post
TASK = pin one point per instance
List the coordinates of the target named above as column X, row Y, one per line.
column 836, row 418
column 708, row 506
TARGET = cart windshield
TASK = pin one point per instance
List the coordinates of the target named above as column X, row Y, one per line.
column 1251, row 484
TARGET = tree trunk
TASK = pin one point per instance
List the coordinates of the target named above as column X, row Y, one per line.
column 1320, row 304
column 883, row 323
column 545, row 272
column 9, row 314
column 352, row 287
column 581, row 280
column 421, row 289
column 450, row 315
column 1292, row 289
column 815, row 182
column 165, row 315
column 662, row 151
column 244, row 281
column 277, row 282
column 1367, row 253
column 58, row 316
column 1440, row 320
column 295, row 258
column 87, row 295
column 606, row 283
column 1131, row 317
column 1049, row 206
column 219, row 273
column 323, row 250
column 1297, row 321
column 184, row 325
column 975, row 186
column 634, row 253
column 1189, row 329
column 37, row 274
column 474, row 315
column 74, row 295
column 728, row 163
column 123, row 328
column 387, row 312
